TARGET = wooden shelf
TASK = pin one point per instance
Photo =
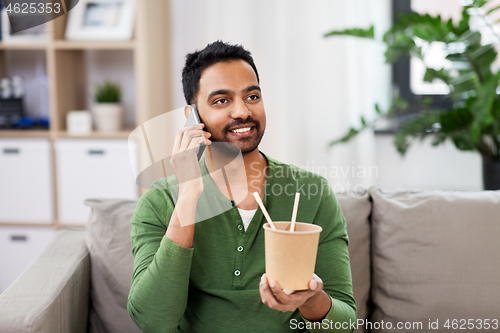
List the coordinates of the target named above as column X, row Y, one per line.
column 72, row 226
column 24, row 46
column 53, row 224
column 123, row 134
column 25, row 134
column 28, row 224
column 70, row 45
column 93, row 45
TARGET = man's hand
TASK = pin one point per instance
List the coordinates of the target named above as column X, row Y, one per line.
column 184, row 160
column 187, row 170
column 313, row 303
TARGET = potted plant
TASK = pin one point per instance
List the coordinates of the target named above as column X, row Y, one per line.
column 108, row 112
column 472, row 123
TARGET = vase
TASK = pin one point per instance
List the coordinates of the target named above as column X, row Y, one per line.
column 491, row 173
column 108, row 116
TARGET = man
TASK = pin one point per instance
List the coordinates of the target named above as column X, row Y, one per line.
column 209, row 276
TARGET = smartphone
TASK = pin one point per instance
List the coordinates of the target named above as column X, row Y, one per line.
column 193, row 119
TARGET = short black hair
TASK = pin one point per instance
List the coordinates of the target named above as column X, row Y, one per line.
column 213, row 53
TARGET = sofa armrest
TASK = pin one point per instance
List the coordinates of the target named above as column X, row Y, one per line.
column 52, row 294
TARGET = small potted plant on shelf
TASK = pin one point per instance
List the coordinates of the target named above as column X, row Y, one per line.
column 473, row 121
column 108, row 112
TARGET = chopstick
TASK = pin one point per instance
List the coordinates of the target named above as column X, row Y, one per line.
column 264, row 210
column 294, row 213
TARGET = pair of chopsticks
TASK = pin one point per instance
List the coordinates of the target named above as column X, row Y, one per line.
column 266, row 214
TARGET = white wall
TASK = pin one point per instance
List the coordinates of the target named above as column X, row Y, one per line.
column 426, row 167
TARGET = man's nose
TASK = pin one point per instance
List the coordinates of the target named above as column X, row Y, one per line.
column 240, row 110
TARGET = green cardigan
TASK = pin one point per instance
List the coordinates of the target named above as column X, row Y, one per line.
column 214, row 286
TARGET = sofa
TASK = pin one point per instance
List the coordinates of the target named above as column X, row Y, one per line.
column 428, row 261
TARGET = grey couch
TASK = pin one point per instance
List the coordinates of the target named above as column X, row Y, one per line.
column 428, row 257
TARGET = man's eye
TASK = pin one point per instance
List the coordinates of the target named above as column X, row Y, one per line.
column 220, row 101
column 253, row 97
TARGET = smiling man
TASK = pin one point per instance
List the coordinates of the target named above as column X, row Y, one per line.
column 209, row 276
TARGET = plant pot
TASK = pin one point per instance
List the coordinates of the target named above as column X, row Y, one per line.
column 491, row 173
column 108, row 116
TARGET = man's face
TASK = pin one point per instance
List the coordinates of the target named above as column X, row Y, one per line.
column 230, row 104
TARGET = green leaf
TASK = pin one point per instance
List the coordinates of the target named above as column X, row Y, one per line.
column 492, row 10
column 431, row 74
column 482, row 108
column 356, row 32
column 464, row 83
column 463, row 141
column 401, row 45
column 472, row 37
column 475, row 133
column 352, row 133
column 457, row 57
column 418, row 127
column 455, row 120
column 479, row 3
column 377, row 109
column 363, row 121
column 482, row 58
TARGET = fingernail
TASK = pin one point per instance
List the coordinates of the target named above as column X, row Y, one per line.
column 273, row 285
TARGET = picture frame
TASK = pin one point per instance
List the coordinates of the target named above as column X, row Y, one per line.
column 101, row 20
column 37, row 34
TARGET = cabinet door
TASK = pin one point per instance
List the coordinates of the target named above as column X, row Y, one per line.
column 92, row 169
column 26, row 193
column 19, row 246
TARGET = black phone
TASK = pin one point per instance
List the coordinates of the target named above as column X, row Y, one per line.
column 193, row 119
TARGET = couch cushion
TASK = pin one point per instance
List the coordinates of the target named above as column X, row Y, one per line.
column 111, row 264
column 436, row 256
column 356, row 209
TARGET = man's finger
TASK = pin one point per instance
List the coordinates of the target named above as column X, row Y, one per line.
column 180, row 134
column 267, row 295
column 188, row 136
column 278, row 293
column 316, row 283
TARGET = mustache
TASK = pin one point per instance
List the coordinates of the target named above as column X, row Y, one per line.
column 248, row 121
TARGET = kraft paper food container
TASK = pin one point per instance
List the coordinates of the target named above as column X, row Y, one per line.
column 291, row 256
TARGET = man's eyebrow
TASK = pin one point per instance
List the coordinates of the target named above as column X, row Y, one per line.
column 251, row 88
column 228, row 92
column 218, row 92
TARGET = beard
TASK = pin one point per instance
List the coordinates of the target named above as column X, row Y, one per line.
column 246, row 145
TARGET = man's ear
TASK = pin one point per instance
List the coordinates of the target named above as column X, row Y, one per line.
column 187, row 110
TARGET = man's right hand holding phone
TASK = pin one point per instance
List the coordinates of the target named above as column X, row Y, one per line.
column 184, row 159
column 187, row 170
